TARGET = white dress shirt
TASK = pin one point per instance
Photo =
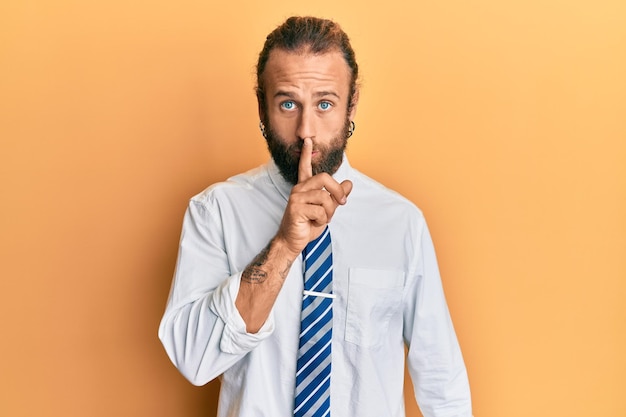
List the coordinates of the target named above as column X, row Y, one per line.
column 388, row 294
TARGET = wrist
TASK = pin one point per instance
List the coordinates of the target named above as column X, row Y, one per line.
column 280, row 249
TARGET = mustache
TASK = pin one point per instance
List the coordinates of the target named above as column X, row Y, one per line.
column 297, row 147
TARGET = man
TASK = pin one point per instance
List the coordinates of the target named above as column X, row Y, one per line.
column 238, row 295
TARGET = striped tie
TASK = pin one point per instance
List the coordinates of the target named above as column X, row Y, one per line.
column 313, row 374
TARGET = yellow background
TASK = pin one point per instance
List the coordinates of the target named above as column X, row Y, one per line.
column 503, row 120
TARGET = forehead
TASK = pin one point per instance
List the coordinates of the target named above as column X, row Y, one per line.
column 305, row 70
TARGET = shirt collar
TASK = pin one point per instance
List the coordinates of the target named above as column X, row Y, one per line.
column 284, row 188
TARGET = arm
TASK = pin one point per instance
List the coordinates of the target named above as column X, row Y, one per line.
column 434, row 357
column 200, row 329
column 311, row 205
column 261, row 282
column 213, row 316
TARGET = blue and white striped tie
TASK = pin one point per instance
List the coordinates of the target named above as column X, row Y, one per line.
column 313, row 373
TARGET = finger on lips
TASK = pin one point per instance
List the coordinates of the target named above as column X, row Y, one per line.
column 322, row 182
column 305, row 170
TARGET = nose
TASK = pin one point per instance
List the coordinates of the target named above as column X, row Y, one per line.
column 306, row 125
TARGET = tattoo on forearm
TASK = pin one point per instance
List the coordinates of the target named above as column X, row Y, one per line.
column 284, row 272
column 254, row 273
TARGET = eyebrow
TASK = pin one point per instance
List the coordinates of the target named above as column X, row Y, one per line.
column 319, row 94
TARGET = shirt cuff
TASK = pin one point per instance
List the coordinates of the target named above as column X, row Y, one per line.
column 235, row 339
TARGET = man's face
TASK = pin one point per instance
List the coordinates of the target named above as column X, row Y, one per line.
column 306, row 97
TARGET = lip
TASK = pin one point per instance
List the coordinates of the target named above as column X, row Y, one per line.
column 298, row 153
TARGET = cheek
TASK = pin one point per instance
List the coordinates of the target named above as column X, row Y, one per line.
column 284, row 126
column 336, row 126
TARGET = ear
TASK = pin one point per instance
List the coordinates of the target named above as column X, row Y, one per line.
column 354, row 103
column 260, row 109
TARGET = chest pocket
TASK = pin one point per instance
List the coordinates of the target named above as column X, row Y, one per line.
column 374, row 296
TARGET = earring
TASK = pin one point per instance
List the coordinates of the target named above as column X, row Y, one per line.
column 262, row 127
column 351, row 128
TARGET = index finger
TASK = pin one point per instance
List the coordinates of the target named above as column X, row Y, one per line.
column 305, row 170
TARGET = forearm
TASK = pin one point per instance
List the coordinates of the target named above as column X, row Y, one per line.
column 261, row 282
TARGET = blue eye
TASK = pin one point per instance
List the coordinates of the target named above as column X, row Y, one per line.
column 288, row 105
column 325, row 105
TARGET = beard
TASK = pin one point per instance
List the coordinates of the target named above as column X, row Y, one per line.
column 330, row 157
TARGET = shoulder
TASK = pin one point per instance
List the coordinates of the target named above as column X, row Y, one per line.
column 379, row 195
column 240, row 185
column 234, row 197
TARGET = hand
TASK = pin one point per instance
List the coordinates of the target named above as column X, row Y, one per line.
column 311, row 205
